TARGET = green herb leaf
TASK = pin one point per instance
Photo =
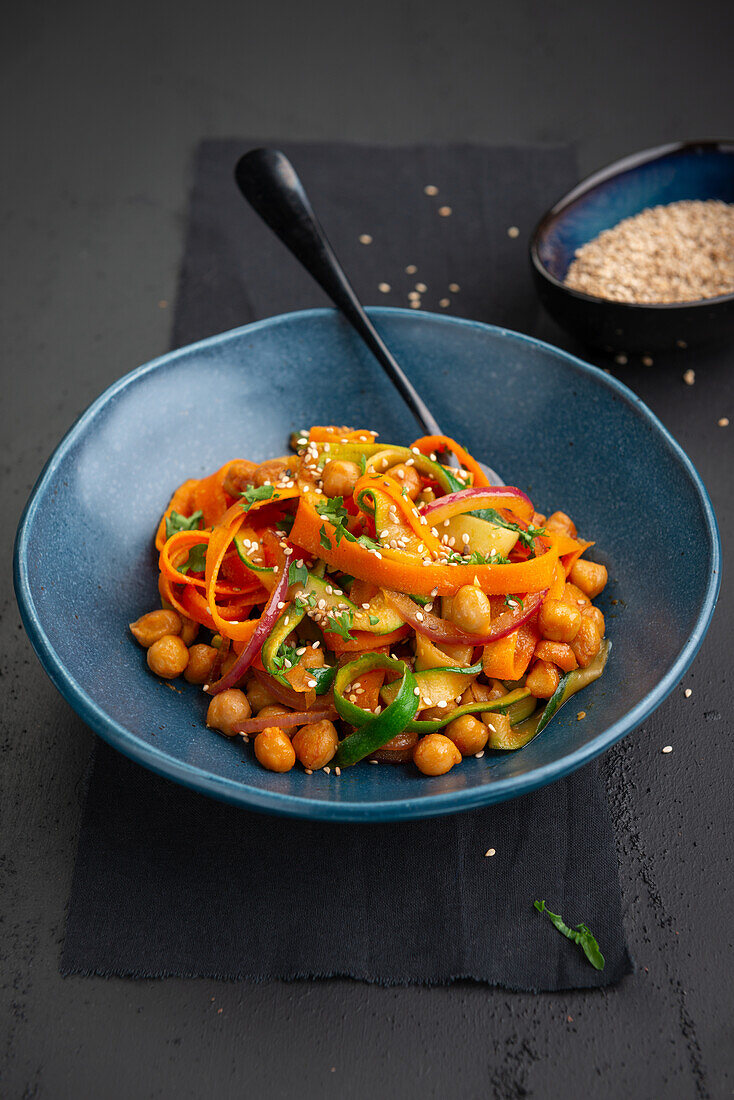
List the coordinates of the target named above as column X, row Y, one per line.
column 374, row 620
column 363, row 464
column 297, row 574
column 365, row 540
column 341, row 625
column 324, row 539
column 176, row 522
column 335, row 513
column 285, row 523
column 514, row 601
column 324, row 677
column 476, row 558
column 305, row 601
column 581, row 935
column 285, row 657
column 525, row 537
column 196, row 560
column 254, row 494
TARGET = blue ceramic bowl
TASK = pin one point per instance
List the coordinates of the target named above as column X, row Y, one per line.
column 687, row 170
column 566, row 432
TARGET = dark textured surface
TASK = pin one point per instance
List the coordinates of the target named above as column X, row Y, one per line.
column 101, row 110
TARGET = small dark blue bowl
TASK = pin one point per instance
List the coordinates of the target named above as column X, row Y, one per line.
column 568, row 433
column 670, row 173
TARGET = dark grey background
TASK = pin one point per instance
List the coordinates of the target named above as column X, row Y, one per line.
column 101, row 107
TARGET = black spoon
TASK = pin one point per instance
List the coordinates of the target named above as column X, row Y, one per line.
column 269, row 182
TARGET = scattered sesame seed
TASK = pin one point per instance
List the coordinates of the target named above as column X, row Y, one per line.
column 668, row 748
column 281, row 605
column 454, row 288
column 384, row 288
column 621, row 359
column 417, row 691
column 312, row 683
column 327, row 770
column 337, row 771
column 681, row 344
column 581, row 715
column 723, row 421
column 441, row 703
column 513, row 232
column 430, row 189
column 414, row 296
column 444, row 211
column 445, row 303
column 479, row 755
column 688, row 693
column 364, row 238
column 309, row 771
column 373, row 761
column 490, row 852
column 647, row 360
column 421, row 288
column 689, row 377
column 415, row 305
column 411, row 269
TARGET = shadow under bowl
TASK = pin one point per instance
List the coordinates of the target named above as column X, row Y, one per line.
column 697, row 170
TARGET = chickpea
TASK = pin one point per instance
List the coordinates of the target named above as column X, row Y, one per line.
column 269, row 472
column 574, row 596
column 543, row 679
column 274, row 710
column 558, row 621
column 201, row 664
column 427, row 496
column 226, row 710
column 149, row 628
column 593, row 613
column 258, row 696
column 468, row 734
column 274, row 750
column 435, row 754
column 316, row 744
column 561, row 524
column 589, row 576
column 557, row 653
column 189, row 631
column 587, row 642
column 239, row 475
column 408, row 477
column 168, row 657
column 470, row 610
column 340, row 477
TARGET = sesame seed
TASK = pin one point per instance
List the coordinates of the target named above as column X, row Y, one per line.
column 430, row 189
column 281, row 605
column 688, row 693
column 415, row 305
column 689, row 377
column 668, row 748
column 417, row 692
column 421, row 288
column 373, row 761
column 490, row 852
column 364, row 238
column 312, row 683
column 411, row 269
column 621, row 359
column 479, row 755
column 513, row 232
column 414, row 296
column 454, row 288
column 723, row 422
column 681, row 344
column 445, row 303
column 327, row 770
column 309, row 771
column 384, row 288
column 337, row 771
column 444, row 211
column 441, row 703
column 419, row 616
column 647, row 360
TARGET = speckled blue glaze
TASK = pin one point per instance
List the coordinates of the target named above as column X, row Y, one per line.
column 85, row 566
column 688, row 170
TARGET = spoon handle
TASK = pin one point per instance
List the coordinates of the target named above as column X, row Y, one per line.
column 269, row 182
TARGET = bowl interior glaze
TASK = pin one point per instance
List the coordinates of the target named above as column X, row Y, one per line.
column 565, row 432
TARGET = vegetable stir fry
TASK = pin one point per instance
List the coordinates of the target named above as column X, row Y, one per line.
column 370, row 602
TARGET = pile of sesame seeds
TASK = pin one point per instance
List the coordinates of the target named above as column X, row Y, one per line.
column 682, row 252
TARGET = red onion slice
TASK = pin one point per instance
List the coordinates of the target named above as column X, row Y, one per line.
column 442, row 630
column 467, row 500
column 285, row 721
column 262, row 630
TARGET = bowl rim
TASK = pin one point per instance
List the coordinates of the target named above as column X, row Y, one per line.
column 601, row 175
column 255, row 798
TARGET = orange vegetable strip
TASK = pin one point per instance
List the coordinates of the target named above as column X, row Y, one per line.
column 364, row 641
column 428, row 443
column 333, row 434
column 569, row 560
column 508, row 658
column 558, row 584
column 167, row 593
column 392, row 488
column 406, row 573
column 180, row 502
column 220, row 540
column 177, row 546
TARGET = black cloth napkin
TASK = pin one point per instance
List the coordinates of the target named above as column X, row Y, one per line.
column 168, row 883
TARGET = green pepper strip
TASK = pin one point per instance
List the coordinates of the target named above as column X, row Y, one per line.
column 496, row 706
column 246, row 561
column 373, row 731
column 425, row 465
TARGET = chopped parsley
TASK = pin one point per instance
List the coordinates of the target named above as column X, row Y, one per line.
column 305, row 601
column 335, row 513
column 196, row 561
column 513, row 602
column 255, row 494
column 324, row 677
column 176, row 522
column 476, row 558
column 365, row 540
column 297, row 574
column 285, row 657
column 341, row 625
column 324, row 539
column 525, row 536
column 374, row 620
column 580, row 935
